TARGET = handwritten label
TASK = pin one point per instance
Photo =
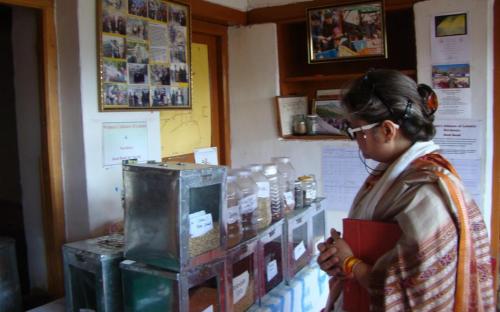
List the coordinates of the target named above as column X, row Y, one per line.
column 233, row 214
column 248, row 204
column 272, row 270
column 299, row 250
column 240, row 286
column 264, row 189
column 209, row 309
column 200, row 224
column 289, row 198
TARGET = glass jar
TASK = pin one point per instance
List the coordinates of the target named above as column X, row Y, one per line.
column 233, row 216
column 299, row 124
column 309, row 189
column 271, row 173
column 286, row 178
column 263, row 211
column 312, row 124
column 248, row 203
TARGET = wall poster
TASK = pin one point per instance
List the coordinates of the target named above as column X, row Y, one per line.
column 143, row 54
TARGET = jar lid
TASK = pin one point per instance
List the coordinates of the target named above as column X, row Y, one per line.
column 305, row 178
column 281, row 159
column 312, row 116
column 255, row 167
column 270, row 169
column 231, row 178
column 244, row 173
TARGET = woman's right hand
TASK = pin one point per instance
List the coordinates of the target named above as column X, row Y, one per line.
column 327, row 259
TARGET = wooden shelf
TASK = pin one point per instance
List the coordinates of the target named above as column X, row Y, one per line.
column 338, row 77
column 313, row 137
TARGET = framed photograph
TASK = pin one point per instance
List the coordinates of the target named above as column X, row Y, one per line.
column 287, row 107
column 331, row 116
column 346, row 32
column 143, row 54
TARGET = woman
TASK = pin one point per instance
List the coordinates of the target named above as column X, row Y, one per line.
column 442, row 260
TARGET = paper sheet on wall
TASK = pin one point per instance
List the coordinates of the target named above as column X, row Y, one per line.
column 343, row 174
column 469, row 171
column 450, row 41
column 124, row 140
column 452, row 85
column 459, row 139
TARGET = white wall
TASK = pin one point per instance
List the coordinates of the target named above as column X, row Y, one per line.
column 253, row 85
column 480, row 28
column 24, row 48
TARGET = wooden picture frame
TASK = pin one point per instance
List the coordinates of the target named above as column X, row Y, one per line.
column 346, row 32
column 144, row 55
column 287, row 107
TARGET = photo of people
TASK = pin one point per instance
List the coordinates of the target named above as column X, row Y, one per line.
column 138, row 96
column 137, row 52
column 158, row 55
column 160, row 75
column 178, row 72
column 118, row 5
column 177, row 35
column 179, row 96
column 137, row 29
column 113, row 22
column 113, row 46
column 114, row 70
column 177, row 14
column 451, row 76
column 347, row 31
column 138, row 73
column 178, row 54
column 160, row 96
column 157, row 10
column 115, row 94
column 138, row 7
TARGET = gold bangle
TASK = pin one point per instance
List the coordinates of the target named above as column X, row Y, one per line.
column 349, row 264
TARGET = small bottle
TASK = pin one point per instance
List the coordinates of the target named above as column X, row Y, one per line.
column 299, row 125
column 299, row 195
column 312, row 124
column 309, row 189
column 233, row 216
column 271, row 173
column 248, row 203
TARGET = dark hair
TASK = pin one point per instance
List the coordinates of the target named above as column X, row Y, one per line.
column 384, row 94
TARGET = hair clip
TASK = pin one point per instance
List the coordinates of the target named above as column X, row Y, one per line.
column 407, row 111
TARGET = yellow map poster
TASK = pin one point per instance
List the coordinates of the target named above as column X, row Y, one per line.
column 183, row 130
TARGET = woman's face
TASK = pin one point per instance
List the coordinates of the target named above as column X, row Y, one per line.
column 370, row 142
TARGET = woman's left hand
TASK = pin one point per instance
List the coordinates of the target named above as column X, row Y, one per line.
column 343, row 250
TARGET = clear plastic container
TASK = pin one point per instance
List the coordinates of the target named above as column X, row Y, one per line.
column 248, row 203
column 271, row 173
column 263, row 196
column 286, row 176
column 309, row 189
column 233, row 216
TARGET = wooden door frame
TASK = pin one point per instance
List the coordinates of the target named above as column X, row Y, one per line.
column 51, row 172
column 224, row 128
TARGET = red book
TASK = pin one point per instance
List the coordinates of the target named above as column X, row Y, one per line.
column 369, row 240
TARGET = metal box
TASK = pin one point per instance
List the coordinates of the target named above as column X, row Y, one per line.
column 174, row 214
column 298, row 241
column 271, row 257
column 242, row 273
column 318, row 223
column 10, row 289
column 147, row 288
column 92, row 274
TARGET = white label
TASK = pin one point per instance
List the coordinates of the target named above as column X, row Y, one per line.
column 289, row 198
column 264, row 189
column 197, row 214
column 233, row 214
column 310, row 194
column 209, row 309
column 248, row 204
column 240, row 286
column 272, row 270
column 299, row 250
column 127, row 262
column 200, row 224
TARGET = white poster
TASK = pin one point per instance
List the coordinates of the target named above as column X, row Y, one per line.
column 451, row 82
column 124, row 140
column 459, row 138
column 450, row 41
column 343, row 174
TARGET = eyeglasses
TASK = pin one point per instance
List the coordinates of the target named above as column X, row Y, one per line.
column 351, row 132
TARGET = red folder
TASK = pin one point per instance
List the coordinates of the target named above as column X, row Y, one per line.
column 369, row 240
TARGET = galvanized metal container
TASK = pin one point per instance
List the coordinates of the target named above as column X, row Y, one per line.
column 92, row 274
column 10, row 289
column 318, row 223
column 271, row 257
column 298, row 241
column 242, row 273
column 174, row 214
column 148, row 288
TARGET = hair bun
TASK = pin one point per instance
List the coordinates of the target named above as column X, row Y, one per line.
column 429, row 97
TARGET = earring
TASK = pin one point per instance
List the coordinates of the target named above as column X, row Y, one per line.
column 364, row 136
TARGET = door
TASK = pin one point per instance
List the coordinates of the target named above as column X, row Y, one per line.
column 207, row 123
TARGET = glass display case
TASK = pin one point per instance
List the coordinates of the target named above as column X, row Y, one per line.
column 10, row 289
column 298, row 241
column 318, row 224
column 271, row 257
column 92, row 274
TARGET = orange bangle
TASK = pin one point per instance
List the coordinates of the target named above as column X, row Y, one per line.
column 349, row 264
